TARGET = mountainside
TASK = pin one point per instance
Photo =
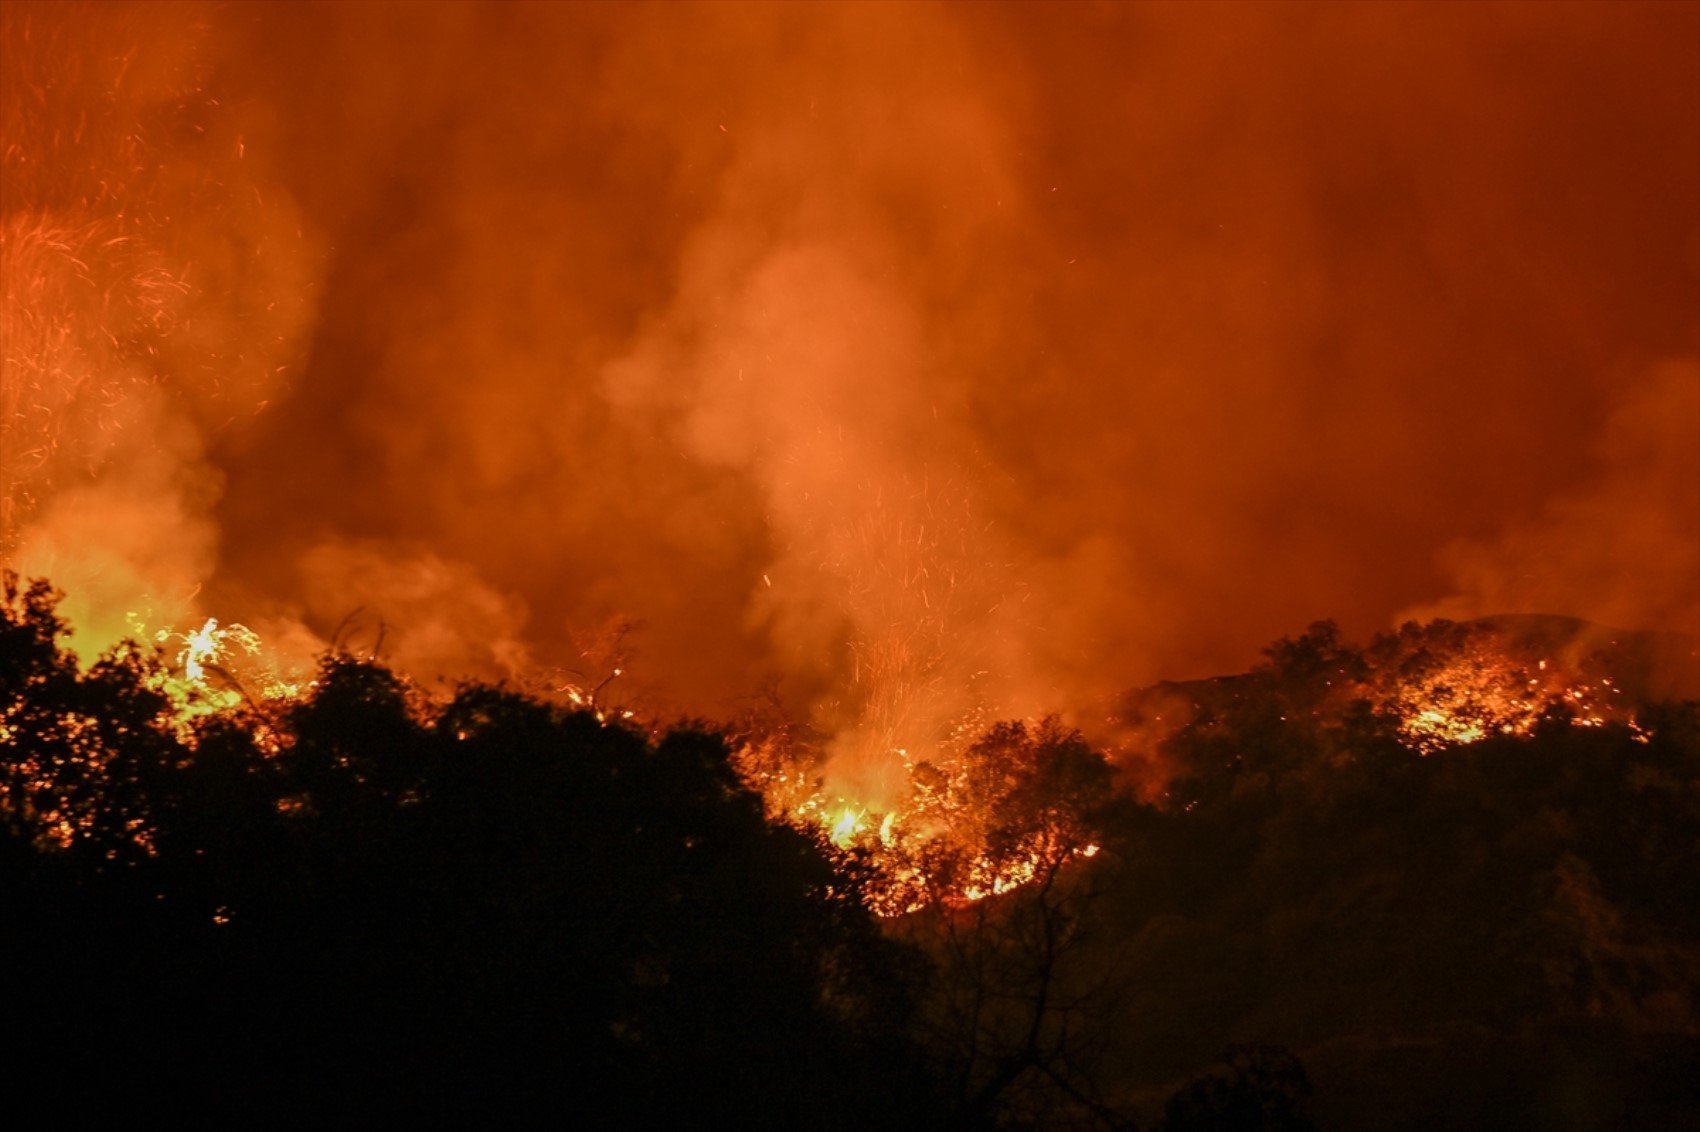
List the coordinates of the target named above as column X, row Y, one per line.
column 1457, row 882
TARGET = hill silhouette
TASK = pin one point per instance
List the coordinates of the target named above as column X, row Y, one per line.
column 369, row 903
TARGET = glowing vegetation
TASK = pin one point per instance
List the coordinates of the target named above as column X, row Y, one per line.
column 1010, row 806
column 1450, row 684
column 989, row 810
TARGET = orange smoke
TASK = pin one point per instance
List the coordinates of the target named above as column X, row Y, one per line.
column 154, row 294
column 916, row 364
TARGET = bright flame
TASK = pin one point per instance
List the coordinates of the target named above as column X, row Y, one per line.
column 843, row 830
column 221, row 670
column 940, row 838
column 1484, row 690
column 208, row 645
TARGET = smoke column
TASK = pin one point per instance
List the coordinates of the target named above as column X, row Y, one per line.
column 907, row 362
column 154, row 292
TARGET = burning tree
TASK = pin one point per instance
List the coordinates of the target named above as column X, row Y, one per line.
column 982, row 869
column 980, row 818
column 988, row 861
column 549, row 911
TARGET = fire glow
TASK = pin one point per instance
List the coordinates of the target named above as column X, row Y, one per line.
column 1449, row 684
column 982, row 817
column 811, row 455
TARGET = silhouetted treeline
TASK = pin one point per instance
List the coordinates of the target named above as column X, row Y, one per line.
column 498, row 910
column 491, row 910
column 1500, row 933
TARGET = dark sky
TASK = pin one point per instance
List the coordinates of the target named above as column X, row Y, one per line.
column 901, row 356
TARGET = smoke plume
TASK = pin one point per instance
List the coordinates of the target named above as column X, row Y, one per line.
column 909, row 362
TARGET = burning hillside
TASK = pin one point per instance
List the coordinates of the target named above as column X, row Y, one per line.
column 1435, row 686
column 991, row 807
column 996, row 811
column 422, row 408
column 898, row 385
column 349, row 840
column 987, row 810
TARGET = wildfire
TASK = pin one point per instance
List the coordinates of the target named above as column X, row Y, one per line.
column 1463, row 684
column 219, row 670
column 842, row 831
column 593, row 700
column 983, row 817
column 206, row 646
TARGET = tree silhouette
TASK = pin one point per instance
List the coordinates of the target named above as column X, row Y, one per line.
column 376, row 904
column 1018, row 1004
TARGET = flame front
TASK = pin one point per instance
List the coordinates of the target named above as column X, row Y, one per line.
column 1469, row 685
column 987, row 814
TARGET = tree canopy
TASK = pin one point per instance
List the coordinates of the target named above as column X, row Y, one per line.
column 364, row 901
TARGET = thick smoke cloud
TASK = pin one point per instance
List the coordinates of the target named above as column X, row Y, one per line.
column 155, row 288
column 911, row 359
